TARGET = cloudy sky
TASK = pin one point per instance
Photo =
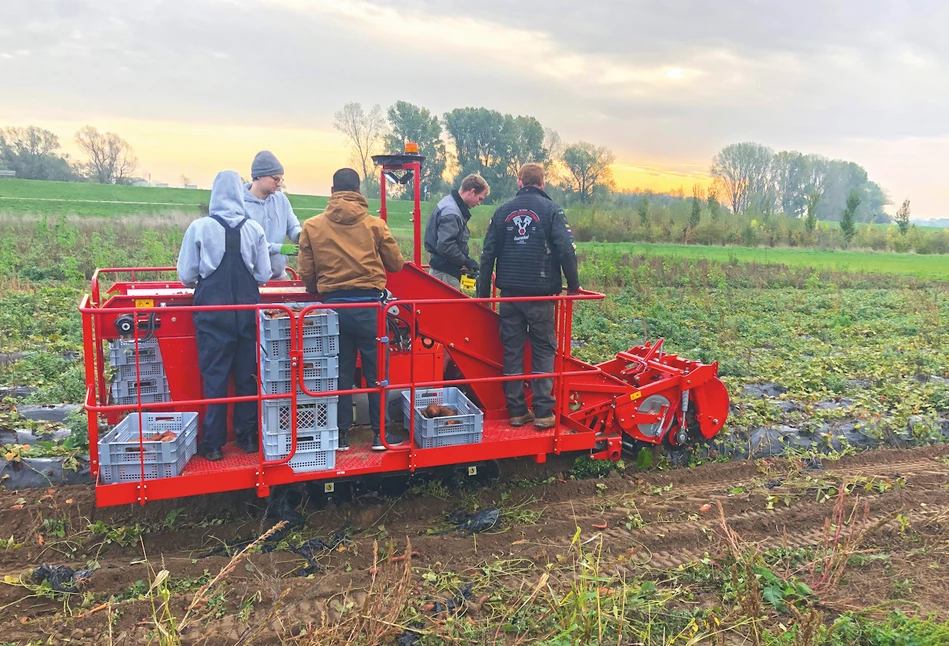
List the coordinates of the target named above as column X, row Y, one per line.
column 201, row 85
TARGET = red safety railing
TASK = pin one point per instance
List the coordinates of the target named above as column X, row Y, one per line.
column 97, row 393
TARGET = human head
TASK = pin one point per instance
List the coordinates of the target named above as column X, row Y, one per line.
column 227, row 195
column 266, row 173
column 473, row 190
column 530, row 175
column 345, row 179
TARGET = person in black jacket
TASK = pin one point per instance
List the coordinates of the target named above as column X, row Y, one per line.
column 531, row 242
column 446, row 234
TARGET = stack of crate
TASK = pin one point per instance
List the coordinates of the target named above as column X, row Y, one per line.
column 148, row 380
column 317, row 432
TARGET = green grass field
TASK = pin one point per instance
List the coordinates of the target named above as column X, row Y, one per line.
column 52, row 199
column 923, row 266
column 28, row 197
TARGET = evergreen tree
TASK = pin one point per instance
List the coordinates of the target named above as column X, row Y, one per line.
column 848, row 218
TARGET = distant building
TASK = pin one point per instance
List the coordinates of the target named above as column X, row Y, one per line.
column 191, row 186
column 7, row 173
column 157, row 185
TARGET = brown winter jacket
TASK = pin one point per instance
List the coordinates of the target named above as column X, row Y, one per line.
column 345, row 248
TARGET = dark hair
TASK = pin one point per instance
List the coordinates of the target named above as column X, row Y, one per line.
column 346, row 179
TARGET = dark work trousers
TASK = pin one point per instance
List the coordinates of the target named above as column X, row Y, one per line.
column 227, row 342
column 357, row 334
column 521, row 322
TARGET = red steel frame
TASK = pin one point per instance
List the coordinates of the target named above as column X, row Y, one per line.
column 596, row 405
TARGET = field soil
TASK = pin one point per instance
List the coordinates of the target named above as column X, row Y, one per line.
column 889, row 507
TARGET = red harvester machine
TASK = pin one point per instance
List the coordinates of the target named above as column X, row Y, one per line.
column 643, row 395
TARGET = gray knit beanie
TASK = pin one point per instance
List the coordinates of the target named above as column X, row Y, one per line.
column 265, row 163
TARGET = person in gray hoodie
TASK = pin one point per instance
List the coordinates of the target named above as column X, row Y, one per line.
column 270, row 208
column 224, row 256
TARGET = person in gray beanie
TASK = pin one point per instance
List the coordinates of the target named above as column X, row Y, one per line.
column 266, row 205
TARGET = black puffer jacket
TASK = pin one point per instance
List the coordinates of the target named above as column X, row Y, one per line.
column 531, row 242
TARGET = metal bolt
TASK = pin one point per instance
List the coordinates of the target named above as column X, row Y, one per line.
column 467, row 340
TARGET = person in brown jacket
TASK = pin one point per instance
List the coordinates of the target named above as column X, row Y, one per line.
column 344, row 255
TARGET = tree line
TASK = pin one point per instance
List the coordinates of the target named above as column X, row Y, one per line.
column 752, row 178
column 34, row 153
column 472, row 140
column 748, row 178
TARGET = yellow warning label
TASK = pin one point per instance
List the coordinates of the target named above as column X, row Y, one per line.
column 636, row 395
column 144, row 302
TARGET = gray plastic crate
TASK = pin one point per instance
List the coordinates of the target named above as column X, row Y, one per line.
column 283, row 386
column 146, row 399
column 122, row 353
column 313, row 414
column 315, row 323
column 146, row 386
column 313, row 346
column 313, row 368
column 464, row 428
column 304, row 462
column 278, row 445
column 147, row 369
column 122, row 451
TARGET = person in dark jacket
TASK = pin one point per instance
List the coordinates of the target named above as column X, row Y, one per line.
column 446, row 234
column 224, row 256
column 531, row 242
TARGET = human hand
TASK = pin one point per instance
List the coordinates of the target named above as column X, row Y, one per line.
column 289, row 249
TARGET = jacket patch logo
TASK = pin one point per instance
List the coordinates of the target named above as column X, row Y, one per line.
column 523, row 220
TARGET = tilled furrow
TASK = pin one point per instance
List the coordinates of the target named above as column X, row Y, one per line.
column 668, row 559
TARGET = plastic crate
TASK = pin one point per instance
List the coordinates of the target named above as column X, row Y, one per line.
column 313, row 368
column 315, row 323
column 147, row 386
column 313, row 414
column 122, row 451
column 122, row 353
column 278, row 445
column 304, row 462
column 145, row 369
column 283, row 386
column 146, row 399
column 313, row 346
column 464, row 428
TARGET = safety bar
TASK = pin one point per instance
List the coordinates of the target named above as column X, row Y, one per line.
column 96, row 369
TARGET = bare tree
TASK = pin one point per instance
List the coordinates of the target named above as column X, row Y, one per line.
column 589, row 167
column 363, row 133
column 111, row 159
column 745, row 173
column 32, row 153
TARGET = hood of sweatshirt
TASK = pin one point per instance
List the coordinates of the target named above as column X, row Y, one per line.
column 227, row 197
column 346, row 207
column 253, row 199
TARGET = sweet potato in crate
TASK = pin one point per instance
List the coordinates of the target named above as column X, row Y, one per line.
column 123, row 450
column 465, row 427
